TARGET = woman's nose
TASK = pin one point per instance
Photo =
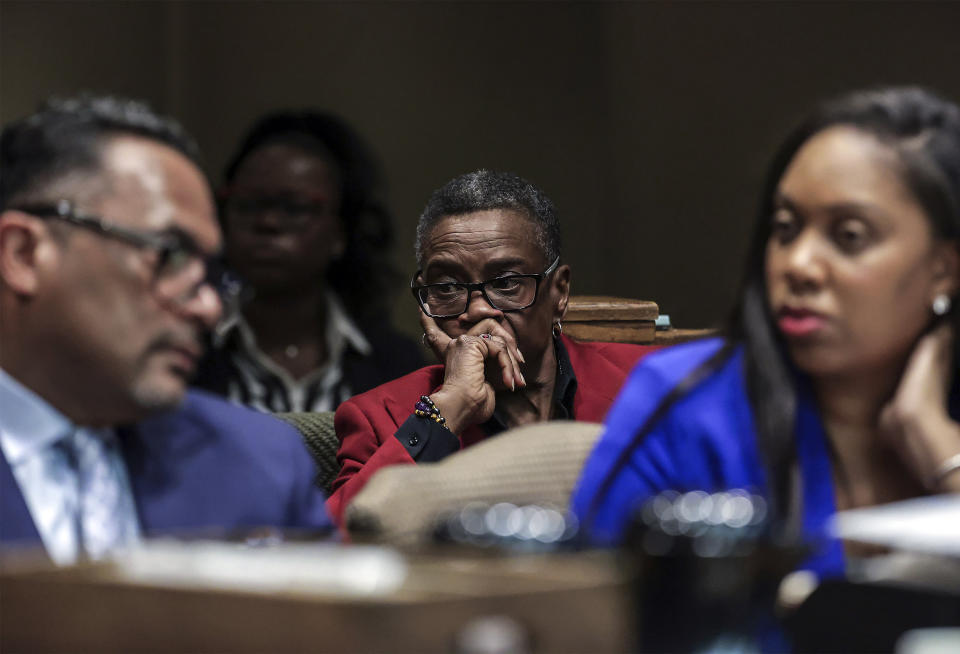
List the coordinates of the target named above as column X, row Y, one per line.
column 805, row 265
column 269, row 218
column 478, row 308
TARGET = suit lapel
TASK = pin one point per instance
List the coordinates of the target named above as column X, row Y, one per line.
column 16, row 523
column 136, row 456
column 397, row 411
column 598, row 381
column 400, row 404
column 155, row 451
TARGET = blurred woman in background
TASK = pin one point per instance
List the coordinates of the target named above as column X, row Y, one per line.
column 306, row 227
column 832, row 387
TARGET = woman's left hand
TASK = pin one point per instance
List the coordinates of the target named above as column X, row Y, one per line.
column 916, row 421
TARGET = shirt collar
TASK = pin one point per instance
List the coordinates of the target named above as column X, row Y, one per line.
column 27, row 423
column 340, row 329
column 339, row 322
column 565, row 387
column 564, row 390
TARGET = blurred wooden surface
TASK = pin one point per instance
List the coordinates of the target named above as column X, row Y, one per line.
column 622, row 320
column 584, row 308
column 674, row 336
column 563, row 603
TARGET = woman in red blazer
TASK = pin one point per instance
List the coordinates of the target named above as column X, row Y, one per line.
column 492, row 294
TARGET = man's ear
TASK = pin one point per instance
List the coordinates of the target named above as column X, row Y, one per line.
column 21, row 239
column 561, row 287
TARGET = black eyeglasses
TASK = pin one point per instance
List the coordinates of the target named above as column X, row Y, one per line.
column 175, row 276
column 290, row 212
column 507, row 293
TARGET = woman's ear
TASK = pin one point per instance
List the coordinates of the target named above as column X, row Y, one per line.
column 561, row 289
column 947, row 269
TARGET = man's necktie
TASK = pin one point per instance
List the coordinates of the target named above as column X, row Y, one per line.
column 105, row 517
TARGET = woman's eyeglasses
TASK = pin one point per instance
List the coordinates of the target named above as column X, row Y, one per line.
column 289, row 213
column 507, row 293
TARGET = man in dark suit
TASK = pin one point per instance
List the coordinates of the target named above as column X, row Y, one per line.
column 108, row 283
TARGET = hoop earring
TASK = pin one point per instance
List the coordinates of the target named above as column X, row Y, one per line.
column 941, row 304
column 557, row 329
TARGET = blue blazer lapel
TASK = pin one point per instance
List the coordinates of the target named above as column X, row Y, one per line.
column 151, row 450
column 16, row 524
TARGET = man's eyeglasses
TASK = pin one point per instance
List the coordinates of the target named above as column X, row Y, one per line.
column 174, row 275
column 507, row 293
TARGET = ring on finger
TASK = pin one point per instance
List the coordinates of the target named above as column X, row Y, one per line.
column 484, row 335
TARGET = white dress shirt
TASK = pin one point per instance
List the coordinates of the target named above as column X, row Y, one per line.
column 37, row 442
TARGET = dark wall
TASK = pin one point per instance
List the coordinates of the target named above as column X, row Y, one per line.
column 648, row 123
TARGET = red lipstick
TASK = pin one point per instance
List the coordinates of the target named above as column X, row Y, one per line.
column 799, row 323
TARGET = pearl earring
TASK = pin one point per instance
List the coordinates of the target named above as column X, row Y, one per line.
column 941, row 304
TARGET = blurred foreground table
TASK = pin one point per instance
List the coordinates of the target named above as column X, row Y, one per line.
column 382, row 602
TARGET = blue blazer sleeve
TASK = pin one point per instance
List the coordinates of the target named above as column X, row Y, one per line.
column 704, row 442
column 212, row 464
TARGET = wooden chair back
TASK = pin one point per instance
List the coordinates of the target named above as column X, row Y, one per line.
column 622, row 320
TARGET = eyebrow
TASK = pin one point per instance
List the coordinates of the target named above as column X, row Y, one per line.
column 781, row 200
column 454, row 266
column 505, row 262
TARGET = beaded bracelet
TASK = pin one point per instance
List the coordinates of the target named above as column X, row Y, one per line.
column 425, row 408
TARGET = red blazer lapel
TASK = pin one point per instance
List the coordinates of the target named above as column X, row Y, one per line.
column 398, row 412
column 601, row 369
column 591, row 405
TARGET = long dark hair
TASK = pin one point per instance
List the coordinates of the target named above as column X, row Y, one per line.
column 363, row 276
column 924, row 130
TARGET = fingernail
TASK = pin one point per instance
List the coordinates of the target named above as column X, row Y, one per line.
column 523, row 380
column 520, row 355
column 513, row 386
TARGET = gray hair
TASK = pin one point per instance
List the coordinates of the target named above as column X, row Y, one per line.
column 484, row 190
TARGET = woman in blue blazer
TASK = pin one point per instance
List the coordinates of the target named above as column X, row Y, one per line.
column 831, row 387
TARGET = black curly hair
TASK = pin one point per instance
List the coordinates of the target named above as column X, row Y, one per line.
column 363, row 276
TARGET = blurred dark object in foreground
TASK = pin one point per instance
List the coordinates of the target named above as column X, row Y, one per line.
column 913, row 584
column 850, row 617
column 709, row 571
column 715, row 575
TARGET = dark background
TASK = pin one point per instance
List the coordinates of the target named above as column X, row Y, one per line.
column 649, row 124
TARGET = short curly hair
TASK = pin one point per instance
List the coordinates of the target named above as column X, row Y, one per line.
column 483, row 190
